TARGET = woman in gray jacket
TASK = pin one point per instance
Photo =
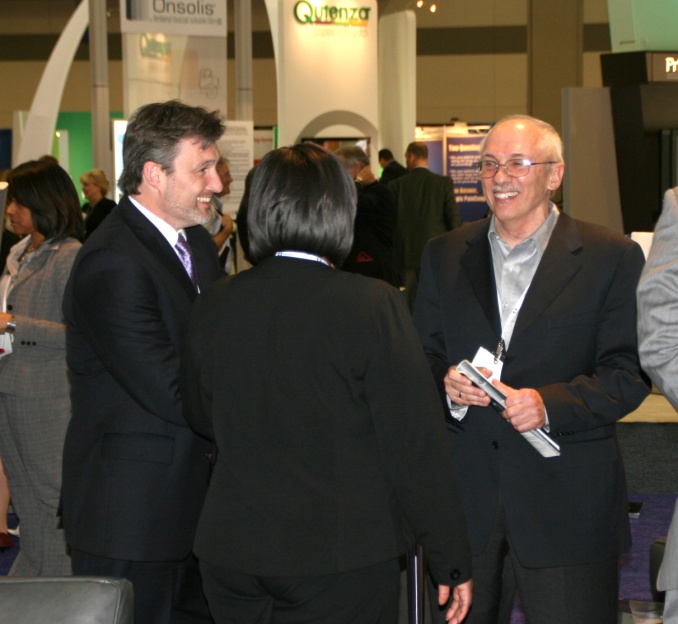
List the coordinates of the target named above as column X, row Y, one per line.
column 43, row 207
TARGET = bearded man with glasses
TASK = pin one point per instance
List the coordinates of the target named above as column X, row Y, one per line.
column 545, row 305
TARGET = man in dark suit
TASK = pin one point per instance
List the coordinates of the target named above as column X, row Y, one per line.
column 134, row 474
column 375, row 220
column 426, row 208
column 546, row 304
column 391, row 168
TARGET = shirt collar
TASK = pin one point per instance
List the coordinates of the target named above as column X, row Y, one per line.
column 540, row 237
column 163, row 227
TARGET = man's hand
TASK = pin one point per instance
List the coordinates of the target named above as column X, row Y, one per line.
column 462, row 597
column 461, row 390
column 227, row 223
column 524, row 408
column 365, row 176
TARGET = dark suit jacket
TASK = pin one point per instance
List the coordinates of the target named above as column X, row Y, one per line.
column 392, row 171
column 327, row 424
column 575, row 342
column 426, row 208
column 96, row 215
column 134, row 473
column 375, row 220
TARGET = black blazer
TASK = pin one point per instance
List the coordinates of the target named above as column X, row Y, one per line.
column 372, row 251
column 392, row 171
column 134, row 474
column 575, row 342
column 426, row 208
column 96, row 215
column 316, row 389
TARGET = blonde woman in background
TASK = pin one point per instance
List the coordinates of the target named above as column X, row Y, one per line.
column 95, row 187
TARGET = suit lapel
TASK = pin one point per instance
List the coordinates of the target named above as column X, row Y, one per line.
column 204, row 255
column 559, row 264
column 157, row 244
column 477, row 263
column 35, row 264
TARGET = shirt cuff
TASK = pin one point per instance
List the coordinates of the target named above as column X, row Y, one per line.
column 456, row 411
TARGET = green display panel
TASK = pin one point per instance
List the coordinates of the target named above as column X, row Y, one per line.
column 79, row 127
column 637, row 25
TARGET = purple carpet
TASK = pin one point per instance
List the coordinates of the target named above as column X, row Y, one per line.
column 654, row 521
column 7, row 557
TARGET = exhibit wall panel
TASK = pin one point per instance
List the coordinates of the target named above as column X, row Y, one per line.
column 46, row 16
column 471, row 88
column 595, row 11
column 162, row 67
column 590, row 186
column 592, row 75
column 474, row 13
column 317, row 51
column 24, row 76
column 264, row 89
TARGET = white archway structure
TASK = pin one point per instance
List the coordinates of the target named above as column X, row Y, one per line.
column 38, row 133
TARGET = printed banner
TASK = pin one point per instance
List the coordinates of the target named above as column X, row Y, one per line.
column 463, row 152
column 197, row 18
column 453, row 151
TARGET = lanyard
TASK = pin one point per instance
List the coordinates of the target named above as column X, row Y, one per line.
column 508, row 325
column 301, row 255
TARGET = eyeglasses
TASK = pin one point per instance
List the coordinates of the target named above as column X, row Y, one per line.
column 516, row 168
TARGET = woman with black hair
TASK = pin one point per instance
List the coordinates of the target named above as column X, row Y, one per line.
column 43, row 207
column 315, row 388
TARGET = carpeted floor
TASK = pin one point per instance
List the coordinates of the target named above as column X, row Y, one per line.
column 649, row 442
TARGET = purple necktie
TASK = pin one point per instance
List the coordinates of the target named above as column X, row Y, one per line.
column 186, row 258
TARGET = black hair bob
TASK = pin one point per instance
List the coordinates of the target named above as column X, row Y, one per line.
column 302, row 199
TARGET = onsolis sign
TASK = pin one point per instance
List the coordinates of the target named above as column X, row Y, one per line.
column 332, row 20
column 202, row 18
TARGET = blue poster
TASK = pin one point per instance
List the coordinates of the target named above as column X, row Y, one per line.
column 435, row 155
column 463, row 152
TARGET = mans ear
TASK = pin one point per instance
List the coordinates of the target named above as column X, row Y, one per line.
column 153, row 173
column 556, row 176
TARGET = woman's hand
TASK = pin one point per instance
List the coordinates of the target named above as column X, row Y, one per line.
column 4, row 319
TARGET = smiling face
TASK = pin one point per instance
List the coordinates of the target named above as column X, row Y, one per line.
column 186, row 193
column 520, row 205
column 21, row 218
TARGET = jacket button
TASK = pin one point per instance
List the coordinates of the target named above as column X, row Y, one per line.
column 23, row 342
column 455, row 574
column 495, row 445
column 9, row 307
